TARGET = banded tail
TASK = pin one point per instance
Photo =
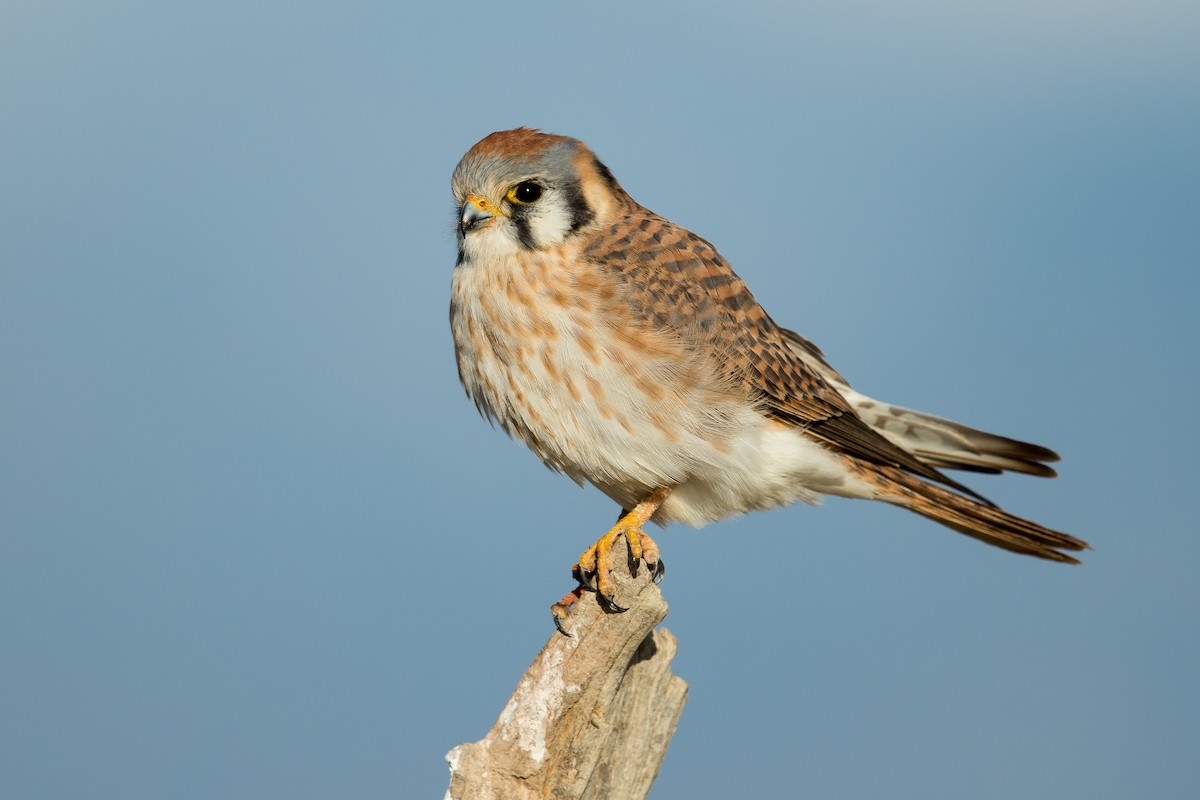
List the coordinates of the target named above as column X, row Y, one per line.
column 975, row 519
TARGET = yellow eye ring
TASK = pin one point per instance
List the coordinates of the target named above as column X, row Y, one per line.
column 525, row 193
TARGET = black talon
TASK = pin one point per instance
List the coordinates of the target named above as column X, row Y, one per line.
column 609, row 604
column 586, row 580
column 558, row 624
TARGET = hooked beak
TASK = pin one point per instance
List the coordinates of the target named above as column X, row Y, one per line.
column 477, row 212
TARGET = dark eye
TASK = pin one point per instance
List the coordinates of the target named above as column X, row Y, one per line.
column 525, row 192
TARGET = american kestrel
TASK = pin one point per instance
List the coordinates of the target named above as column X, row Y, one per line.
column 624, row 351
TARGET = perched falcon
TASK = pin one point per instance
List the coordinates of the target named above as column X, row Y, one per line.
column 624, row 351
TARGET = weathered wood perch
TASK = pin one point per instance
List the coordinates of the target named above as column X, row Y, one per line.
column 593, row 714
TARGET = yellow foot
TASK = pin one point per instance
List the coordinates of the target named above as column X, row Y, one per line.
column 594, row 570
column 596, row 563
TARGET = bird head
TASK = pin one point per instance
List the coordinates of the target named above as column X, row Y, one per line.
column 524, row 189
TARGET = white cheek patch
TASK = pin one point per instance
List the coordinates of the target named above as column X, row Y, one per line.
column 549, row 219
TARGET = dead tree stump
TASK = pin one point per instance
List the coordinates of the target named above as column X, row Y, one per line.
column 592, row 716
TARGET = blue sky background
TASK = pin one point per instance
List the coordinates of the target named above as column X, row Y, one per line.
column 255, row 542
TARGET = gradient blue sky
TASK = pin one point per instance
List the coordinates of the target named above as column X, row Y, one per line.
column 255, row 542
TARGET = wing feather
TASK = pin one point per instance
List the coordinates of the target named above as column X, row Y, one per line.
column 935, row 440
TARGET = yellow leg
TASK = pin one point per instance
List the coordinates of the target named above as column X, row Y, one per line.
column 597, row 561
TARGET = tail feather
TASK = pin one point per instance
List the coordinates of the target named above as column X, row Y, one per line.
column 943, row 443
column 985, row 523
